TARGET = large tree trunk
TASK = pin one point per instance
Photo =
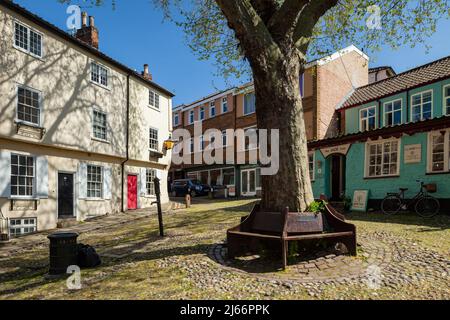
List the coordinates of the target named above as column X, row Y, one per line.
column 279, row 106
column 274, row 36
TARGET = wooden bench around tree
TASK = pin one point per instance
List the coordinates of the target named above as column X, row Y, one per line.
column 261, row 230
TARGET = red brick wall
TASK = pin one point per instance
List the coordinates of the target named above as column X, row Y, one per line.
column 335, row 80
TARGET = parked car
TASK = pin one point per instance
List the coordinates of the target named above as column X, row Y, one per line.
column 180, row 188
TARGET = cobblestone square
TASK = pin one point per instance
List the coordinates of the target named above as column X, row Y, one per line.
column 400, row 257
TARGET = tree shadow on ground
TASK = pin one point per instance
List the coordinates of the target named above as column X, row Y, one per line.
column 269, row 261
column 440, row 222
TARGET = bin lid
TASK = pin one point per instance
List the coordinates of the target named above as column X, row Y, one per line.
column 63, row 235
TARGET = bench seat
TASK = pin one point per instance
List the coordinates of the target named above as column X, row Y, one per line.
column 264, row 228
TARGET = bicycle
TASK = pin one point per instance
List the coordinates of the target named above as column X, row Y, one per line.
column 425, row 205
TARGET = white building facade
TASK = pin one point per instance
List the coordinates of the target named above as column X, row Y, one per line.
column 81, row 135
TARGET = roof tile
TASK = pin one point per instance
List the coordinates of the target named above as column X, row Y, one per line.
column 422, row 75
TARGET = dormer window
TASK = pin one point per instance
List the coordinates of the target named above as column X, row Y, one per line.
column 393, row 113
column 368, row 119
column 447, row 100
column 421, row 106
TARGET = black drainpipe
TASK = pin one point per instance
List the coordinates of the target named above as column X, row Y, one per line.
column 127, row 144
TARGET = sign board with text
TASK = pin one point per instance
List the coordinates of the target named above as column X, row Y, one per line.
column 413, row 153
column 360, row 200
column 343, row 149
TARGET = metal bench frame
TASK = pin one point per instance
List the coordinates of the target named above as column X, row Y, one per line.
column 272, row 228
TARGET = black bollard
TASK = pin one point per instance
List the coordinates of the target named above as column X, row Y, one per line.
column 156, row 181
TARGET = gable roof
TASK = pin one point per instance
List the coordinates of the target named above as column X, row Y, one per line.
column 425, row 74
column 66, row 36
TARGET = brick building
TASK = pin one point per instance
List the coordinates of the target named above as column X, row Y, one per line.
column 326, row 83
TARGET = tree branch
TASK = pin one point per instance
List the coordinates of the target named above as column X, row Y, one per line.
column 248, row 26
column 286, row 17
column 308, row 20
column 265, row 8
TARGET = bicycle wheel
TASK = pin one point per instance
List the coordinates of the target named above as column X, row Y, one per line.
column 427, row 207
column 391, row 205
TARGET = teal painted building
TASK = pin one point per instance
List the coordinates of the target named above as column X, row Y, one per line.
column 393, row 133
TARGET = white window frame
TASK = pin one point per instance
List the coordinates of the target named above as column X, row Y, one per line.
column 421, row 104
column 212, row 106
column 191, row 148
column 176, row 119
column 249, row 193
column 108, row 73
column 224, row 138
column 151, row 140
column 201, row 142
column 22, row 226
column 361, row 129
column 94, row 110
column 367, row 158
column 243, row 104
column 313, row 174
column 247, row 147
column 154, row 100
column 385, row 113
column 444, row 102
column 33, row 186
column 191, row 116
column 446, row 151
column 40, row 106
column 224, row 103
column 29, row 30
column 202, row 113
column 90, row 197
column 150, row 174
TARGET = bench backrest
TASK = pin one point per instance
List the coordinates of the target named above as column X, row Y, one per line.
column 270, row 222
column 304, row 223
column 273, row 222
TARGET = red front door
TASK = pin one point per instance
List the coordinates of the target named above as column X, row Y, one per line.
column 132, row 192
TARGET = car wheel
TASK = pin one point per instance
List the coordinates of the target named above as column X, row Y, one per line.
column 193, row 194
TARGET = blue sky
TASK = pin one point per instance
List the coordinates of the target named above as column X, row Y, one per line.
column 134, row 33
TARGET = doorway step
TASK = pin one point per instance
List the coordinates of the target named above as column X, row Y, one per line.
column 66, row 222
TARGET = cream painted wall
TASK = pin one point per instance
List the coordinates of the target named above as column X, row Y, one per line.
column 67, row 162
column 68, row 96
column 143, row 117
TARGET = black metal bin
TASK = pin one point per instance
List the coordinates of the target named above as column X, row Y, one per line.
column 63, row 252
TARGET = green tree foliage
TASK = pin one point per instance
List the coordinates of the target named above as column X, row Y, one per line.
column 403, row 22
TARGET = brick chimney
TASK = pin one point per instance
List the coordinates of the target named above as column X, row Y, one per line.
column 146, row 74
column 88, row 33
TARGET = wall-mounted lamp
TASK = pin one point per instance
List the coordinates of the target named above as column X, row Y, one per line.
column 169, row 144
